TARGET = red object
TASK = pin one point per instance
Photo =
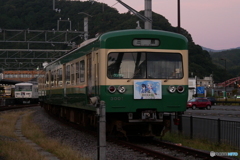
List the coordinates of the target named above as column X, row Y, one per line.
column 199, row 103
column 176, row 121
column 112, row 89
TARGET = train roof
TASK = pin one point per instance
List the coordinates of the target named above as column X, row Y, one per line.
column 123, row 39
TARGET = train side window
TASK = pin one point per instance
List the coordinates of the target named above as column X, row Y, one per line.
column 82, row 71
column 52, row 79
column 47, row 80
column 72, row 73
column 55, row 78
column 60, row 77
column 67, row 78
column 77, row 73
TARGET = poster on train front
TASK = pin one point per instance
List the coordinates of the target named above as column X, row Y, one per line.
column 147, row 89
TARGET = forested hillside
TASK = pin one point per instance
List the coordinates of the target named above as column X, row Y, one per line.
column 39, row 15
column 232, row 58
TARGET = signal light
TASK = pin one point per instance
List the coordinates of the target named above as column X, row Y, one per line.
column 112, row 89
column 180, row 89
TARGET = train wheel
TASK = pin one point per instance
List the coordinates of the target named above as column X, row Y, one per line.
column 117, row 130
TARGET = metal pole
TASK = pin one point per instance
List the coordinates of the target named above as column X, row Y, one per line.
column 196, row 86
column 53, row 4
column 180, row 122
column 57, row 25
column 179, row 27
column 225, row 82
column 219, row 130
column 148, row 14
column 102, row 132
column 85, row 25
column 70, row 25
column 85, row 28
column 191, row 127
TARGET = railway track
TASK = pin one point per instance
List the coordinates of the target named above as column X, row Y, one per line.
column 167, row 151
column 187, row 151
column 154, row 148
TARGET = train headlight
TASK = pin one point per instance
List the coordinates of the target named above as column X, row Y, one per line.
column 180, row 89
column 121, row 89
column 112, row 89
column 171, row 89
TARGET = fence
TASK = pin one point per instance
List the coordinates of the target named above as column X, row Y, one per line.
column 214, row 130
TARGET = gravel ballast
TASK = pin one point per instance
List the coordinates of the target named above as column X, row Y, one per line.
column 80, row 141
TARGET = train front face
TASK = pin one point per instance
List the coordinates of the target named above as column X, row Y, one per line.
column 23, row 92
column 147, row 79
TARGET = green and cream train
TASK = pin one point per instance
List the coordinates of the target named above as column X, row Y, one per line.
column 140, row 75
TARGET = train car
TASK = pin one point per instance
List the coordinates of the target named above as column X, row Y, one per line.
column 141, row 75
column 26, row 93
column 7, row 91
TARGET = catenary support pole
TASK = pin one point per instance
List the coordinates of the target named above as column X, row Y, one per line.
column 148, row 14
column 102, row 132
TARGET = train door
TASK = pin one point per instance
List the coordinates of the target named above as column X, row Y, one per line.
column 89, row 74
column 93, row 74
column 96, row 74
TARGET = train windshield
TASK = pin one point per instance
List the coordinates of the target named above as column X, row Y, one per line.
column 23, row 88
column 145, row 65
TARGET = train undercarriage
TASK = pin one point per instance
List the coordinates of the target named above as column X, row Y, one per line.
column 117, row 125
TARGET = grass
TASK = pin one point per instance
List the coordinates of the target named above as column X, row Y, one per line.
column 201, row 144
column 11, row 147
column 63, row 151
column 14, row 149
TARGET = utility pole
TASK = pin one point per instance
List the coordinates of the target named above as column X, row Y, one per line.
column 102, row 131
column 196, row 86
column 179, row 25
column 148, row 14
column 85, row 25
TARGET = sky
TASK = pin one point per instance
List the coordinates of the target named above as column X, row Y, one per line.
column 214, row 24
